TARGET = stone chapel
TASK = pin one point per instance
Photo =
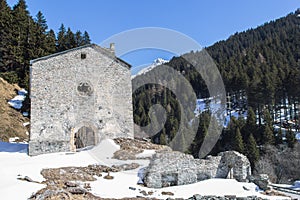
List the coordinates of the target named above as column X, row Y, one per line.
column 79, row 97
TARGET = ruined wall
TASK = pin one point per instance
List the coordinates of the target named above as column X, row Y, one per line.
column 81, row 87
column 176, row 168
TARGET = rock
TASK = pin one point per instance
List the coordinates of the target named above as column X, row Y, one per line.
column 108, row 177
column 27, row 178
column 143, row 192
column 87, row 186
column 261, row 180
column 197, row 197
column 76, row 190
column 71, row 184
column 167, row 193
column 132, row 188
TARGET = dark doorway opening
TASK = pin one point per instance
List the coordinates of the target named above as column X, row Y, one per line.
column 84, row 137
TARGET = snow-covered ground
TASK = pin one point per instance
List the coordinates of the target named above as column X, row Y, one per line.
column 15, row 163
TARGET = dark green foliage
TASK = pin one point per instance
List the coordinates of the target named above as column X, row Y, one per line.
column 238, row 144
column 290, row 138
column 23, row 38
column 252, row 151
column 278, row 137
column 264, row 62
column 268, row 135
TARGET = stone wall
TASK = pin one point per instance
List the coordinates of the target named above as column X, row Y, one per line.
column 176, row 168
column 87, row 86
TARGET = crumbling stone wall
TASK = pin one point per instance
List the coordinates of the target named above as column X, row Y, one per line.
column 176, row 168
column 83, row 87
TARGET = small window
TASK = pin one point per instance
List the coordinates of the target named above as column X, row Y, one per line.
column 83, row 56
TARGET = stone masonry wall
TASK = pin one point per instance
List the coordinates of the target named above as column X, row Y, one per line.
column 86, row 86
column 176, row 168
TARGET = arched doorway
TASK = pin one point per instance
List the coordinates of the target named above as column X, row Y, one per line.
column 85, row 137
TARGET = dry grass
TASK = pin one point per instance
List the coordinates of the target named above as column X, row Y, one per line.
column 11, row 121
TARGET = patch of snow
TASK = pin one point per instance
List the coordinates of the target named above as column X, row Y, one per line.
column 26, row 123
column 17, row 101
column 13, row 139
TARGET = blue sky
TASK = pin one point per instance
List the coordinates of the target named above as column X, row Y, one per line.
column 205, row 21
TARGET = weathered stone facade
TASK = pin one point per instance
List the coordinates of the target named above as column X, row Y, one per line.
column 82, row 95
column 176, row 168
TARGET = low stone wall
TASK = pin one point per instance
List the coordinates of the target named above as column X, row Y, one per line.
column 176, row 168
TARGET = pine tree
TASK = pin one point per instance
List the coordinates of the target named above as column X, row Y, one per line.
column 61, row 39
column 50, row 42
column 6, row 48
column 290, row 138
column 250, row 126
column 278, row 138
column 252, row 151
column 267, row 118
column 70, row 39
column 86, row 38
column 268, row 135
column 237, row 143
column 79, row 39
column 41, row 22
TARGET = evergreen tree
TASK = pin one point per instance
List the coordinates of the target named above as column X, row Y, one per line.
column 267, row 118
column 268, row 135
column 70, row 39
column 278, row 138
column 50, row 42
column 86, row 38
column 237, row 143
column 252, row 150
column 250, row 126
column 61, row 39
column 6, row 48
column 290, row 138
column 41, row 22
column 79, row 39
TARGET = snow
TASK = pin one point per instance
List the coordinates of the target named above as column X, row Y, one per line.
column 17, row 101
column 217, row 187
column 15, row 163
column 26, row 124
column 157, row 62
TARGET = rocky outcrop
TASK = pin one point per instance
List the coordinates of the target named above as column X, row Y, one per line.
column 176, row 168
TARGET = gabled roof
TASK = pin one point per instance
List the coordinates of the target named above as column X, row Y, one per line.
column 107, row 52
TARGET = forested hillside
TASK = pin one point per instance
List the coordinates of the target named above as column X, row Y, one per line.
column 264, row 63
column 23, row 38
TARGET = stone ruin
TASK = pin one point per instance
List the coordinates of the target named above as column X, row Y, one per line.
column 176, row 168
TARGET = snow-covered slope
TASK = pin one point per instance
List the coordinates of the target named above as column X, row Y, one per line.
column 15, row 163
column 157, row 62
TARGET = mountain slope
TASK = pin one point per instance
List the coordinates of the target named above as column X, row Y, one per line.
column 11, row 123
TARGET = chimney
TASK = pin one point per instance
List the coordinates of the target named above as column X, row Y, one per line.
column 112, row 47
